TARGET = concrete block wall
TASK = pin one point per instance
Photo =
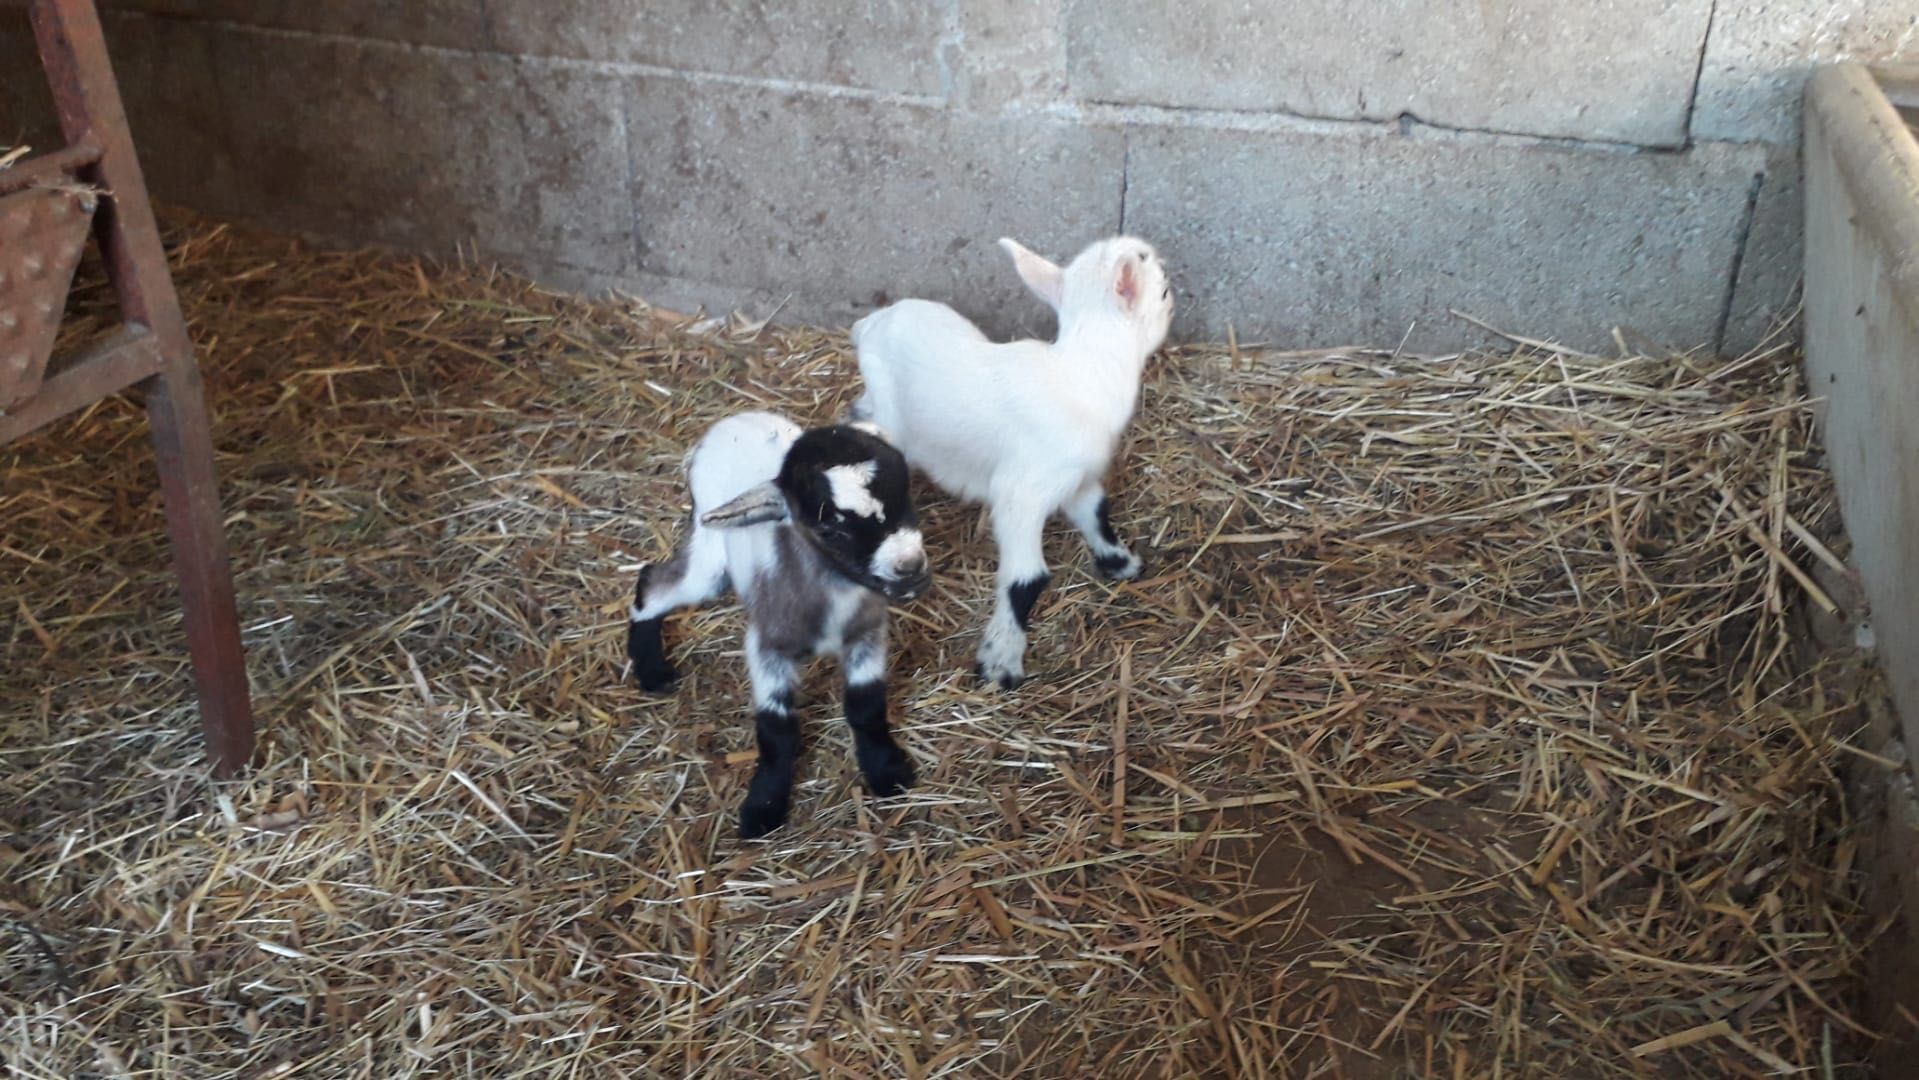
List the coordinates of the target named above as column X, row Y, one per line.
column 1317, row 173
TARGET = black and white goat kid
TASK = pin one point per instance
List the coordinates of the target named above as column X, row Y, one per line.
column 816, row 531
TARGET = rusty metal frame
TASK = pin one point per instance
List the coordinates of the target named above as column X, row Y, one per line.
column 151, row 350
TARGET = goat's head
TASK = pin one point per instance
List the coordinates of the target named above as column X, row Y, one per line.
column 845, row 489
column 1121, row 277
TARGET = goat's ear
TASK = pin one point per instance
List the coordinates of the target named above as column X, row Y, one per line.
column 1046, row 279
column 1126, row 285
column 756, row 505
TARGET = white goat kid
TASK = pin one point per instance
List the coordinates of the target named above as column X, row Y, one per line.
column 1028, row 427
column 816, row 531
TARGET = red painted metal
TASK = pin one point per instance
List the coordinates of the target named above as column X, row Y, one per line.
column 152, row 350
column 42, row 232
column 124, row 360
column 55, row 168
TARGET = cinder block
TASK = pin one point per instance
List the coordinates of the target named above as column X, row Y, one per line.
column 459, row 24
column 166, row 75
column 841, row 200
column 1311, row 239
column 1760, row 54
column 169, row 85
column 1767, row 288
column 883, row 44
column 424, row 149
column 1618, row 70
column 1007, row 51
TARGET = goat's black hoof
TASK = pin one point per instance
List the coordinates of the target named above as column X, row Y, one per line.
column 757, row 821
column 1117, row 567
column 892, row 776
column 659, row 680
column 1005, row 680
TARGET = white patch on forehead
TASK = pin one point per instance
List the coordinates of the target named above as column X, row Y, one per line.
column 852, row 491
column 902, row 546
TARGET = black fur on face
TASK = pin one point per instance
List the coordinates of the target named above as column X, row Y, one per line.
column 848, row 522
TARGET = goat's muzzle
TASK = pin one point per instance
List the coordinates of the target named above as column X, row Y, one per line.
column 909, row 587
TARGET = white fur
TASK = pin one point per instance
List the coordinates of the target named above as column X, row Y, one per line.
column 736, row 455
column 1028, row 427
column 903, row 547
column 771, row 675
column 851, row 489
column 866, row 661
column 1002, row 647
column 842, row 604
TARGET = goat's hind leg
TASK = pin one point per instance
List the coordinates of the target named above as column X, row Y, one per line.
column 1090, row 514
column 694, row 575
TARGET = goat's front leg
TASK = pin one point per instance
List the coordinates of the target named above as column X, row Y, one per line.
column 887, row 768
column 770, row 794
column 1090, row 514
column 1022, row 578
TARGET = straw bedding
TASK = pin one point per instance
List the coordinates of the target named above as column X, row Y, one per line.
column 1456, row 728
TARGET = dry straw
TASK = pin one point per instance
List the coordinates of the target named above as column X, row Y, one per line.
column 1454, row 731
